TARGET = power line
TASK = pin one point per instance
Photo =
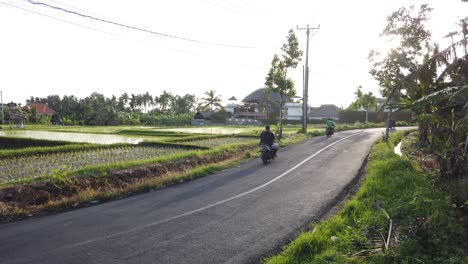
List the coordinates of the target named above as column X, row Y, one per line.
column 133, row 27
column 52, row 17
column 74, row 7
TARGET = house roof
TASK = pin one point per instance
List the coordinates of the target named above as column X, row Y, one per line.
column 232, row 98
column 326, row 111
column 203, row 115
column 41, row 108
column 259, row 94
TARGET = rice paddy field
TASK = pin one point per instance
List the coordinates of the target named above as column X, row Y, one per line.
column 42, row 165
column 28, row 160
column 71, row 137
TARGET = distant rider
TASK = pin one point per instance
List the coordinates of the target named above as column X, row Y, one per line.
column 268, row 138
column 331, row 125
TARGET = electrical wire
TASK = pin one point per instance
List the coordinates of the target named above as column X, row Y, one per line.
column 133, row 27
column 52, row 17
column 74, row 7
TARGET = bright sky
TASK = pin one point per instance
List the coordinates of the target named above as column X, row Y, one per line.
column 40, row 56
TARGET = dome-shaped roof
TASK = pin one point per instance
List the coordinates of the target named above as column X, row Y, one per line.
column 261, row 93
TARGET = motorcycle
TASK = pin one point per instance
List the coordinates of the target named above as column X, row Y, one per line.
column 268, row 153
column 330, row 131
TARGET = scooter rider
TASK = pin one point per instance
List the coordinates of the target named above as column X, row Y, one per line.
column 268, row 138
column 330, row 125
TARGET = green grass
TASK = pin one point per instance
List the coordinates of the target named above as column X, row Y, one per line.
column 424, row 221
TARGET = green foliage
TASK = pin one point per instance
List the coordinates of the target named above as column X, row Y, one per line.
column 59, row 175
column 211, row 101
column 96, row 109
column 277, row 79
column 268, row 106
column 350, row 117
column 220, row 116
column 422, row 215
column 166, row 120
column 366, row 101
column 459, row 94
column 408, row 26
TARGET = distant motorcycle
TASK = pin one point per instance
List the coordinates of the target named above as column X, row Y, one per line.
column 268, row 153
column 330, row 131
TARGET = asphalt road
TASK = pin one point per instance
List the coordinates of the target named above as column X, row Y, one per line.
column 236, row 216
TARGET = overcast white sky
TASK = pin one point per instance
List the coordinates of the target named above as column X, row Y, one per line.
column 40, row 56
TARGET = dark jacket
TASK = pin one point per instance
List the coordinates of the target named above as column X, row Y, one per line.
column 267, row 137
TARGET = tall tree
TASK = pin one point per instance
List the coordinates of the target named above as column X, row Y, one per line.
column 407, row 25
column 133, row 102
column 277, row 78
column 211, row 100
column 365, row 100
column 164, row 101
column 146, row 100
column 123, row 101
column 183, row 104
column 268, row 106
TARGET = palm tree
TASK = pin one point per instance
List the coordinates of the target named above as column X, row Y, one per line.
column 124, row 98
column 165, row 100
column 133, row 102
column 211, row 100
column 146, row 99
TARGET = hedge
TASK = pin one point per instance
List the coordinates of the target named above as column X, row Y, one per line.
column 374, row 117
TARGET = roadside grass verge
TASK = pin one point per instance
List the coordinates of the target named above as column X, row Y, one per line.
column 424, row 228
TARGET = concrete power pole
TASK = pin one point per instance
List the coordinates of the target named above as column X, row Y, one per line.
column 306, row 79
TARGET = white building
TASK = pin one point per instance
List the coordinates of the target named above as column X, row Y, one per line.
column 293, row 111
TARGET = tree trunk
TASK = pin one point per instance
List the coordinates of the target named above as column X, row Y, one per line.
column 424, row 129
column 281, row 117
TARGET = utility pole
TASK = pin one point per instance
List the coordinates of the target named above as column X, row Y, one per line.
column 306, row 78
column 1, row 102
